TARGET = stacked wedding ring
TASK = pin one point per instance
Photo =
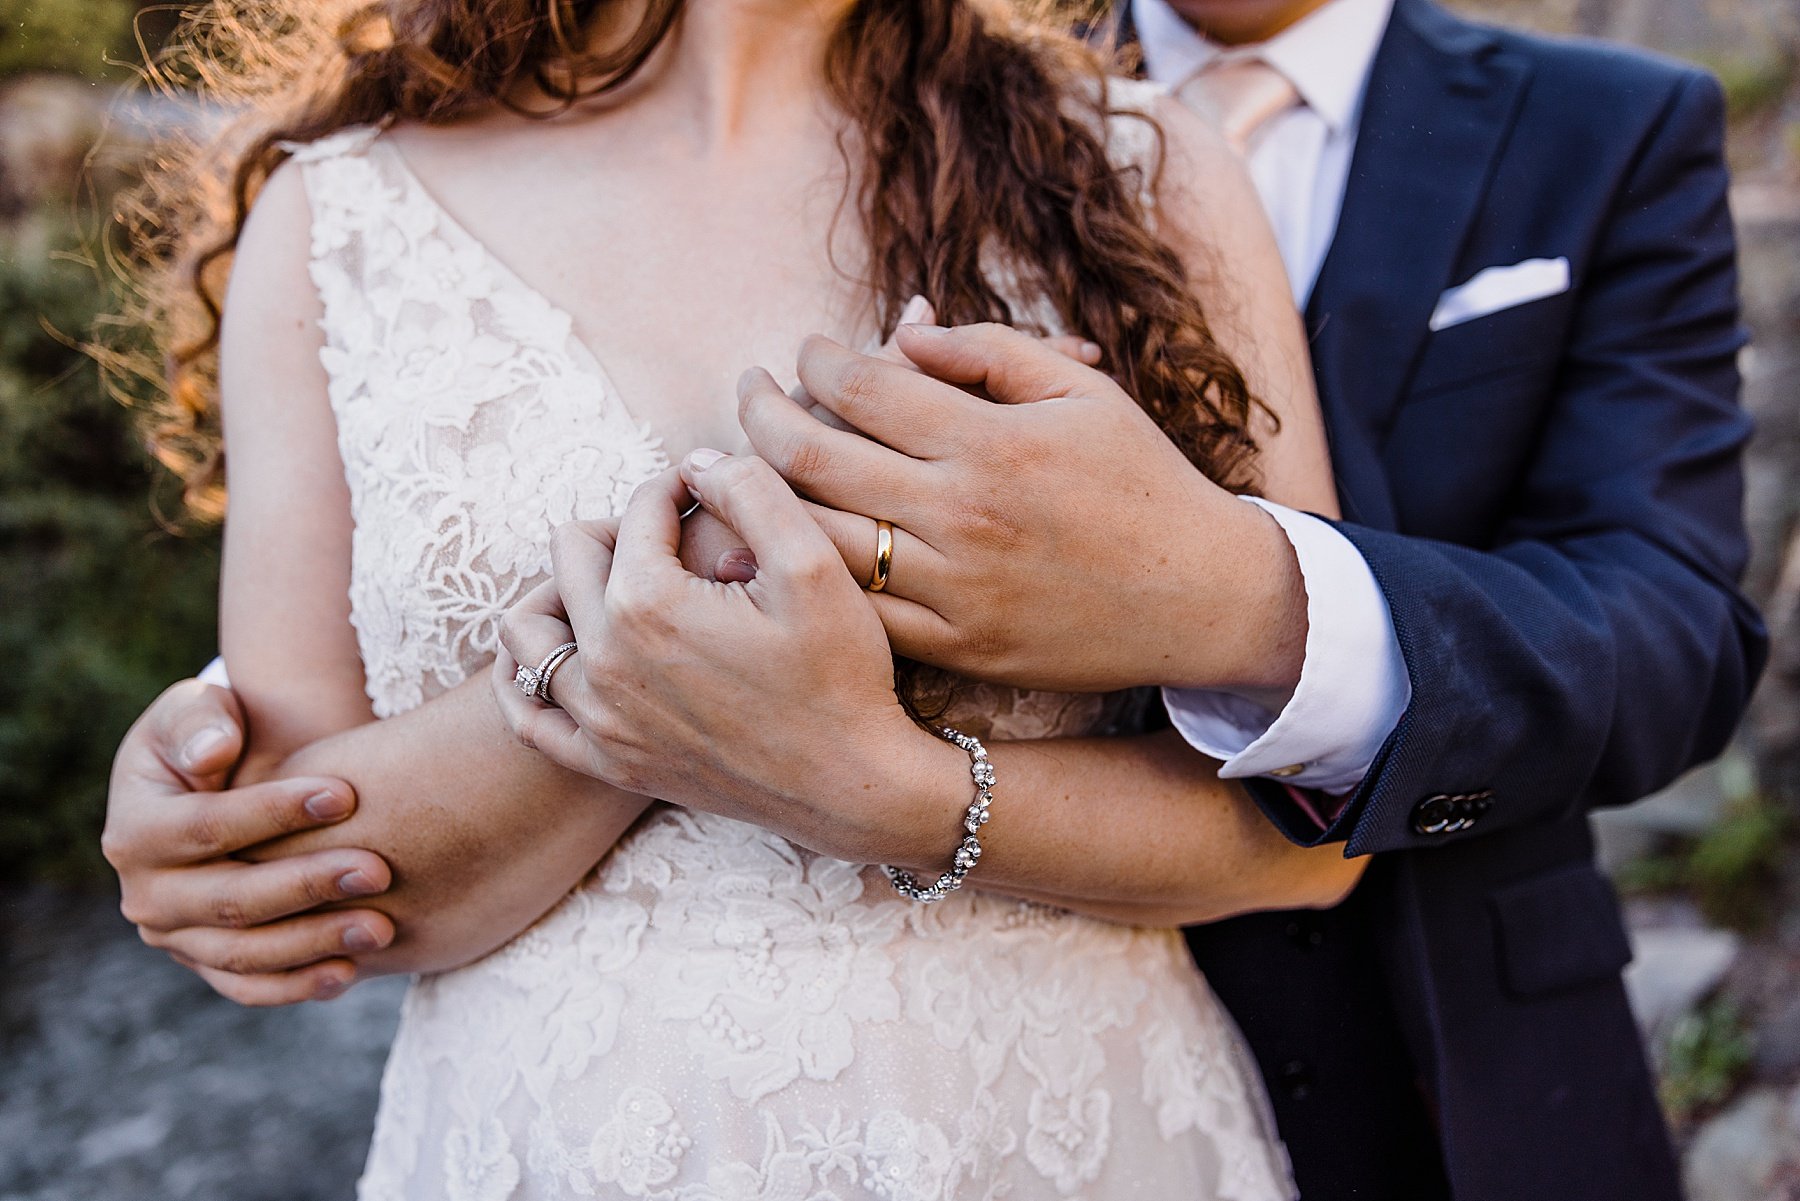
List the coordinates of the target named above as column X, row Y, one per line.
column 884, row 555
column 534, row 682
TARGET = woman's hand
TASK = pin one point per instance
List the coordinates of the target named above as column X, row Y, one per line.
column 773, row 703
column 770, row 701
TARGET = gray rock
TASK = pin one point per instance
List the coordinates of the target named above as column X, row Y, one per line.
column 1744, row 1152
column 1618, row 841
column 122, row 1076
column 1673, row 969
column 1689, row 807
column 1778, row 1040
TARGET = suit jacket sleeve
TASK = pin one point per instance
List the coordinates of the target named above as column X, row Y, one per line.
column 1600, row 646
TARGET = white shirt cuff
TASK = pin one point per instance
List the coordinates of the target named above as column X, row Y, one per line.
column 1353, row 687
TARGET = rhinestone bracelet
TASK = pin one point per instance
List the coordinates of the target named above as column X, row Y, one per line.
column 969, row 852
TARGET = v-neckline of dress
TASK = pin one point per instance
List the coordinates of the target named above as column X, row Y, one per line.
column 579, row 352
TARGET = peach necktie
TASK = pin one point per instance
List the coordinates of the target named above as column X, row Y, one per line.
column 1242, row 95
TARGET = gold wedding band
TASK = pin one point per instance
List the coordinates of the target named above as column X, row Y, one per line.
column 884, row 555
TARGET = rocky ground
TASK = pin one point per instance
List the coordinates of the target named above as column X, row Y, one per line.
column 1720, row 1006
column 123, row 1078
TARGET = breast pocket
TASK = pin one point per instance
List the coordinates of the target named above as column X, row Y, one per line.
column 1524, row 341
column 1462, row 434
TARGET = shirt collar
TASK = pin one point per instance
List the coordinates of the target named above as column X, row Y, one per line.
column 1326, row 55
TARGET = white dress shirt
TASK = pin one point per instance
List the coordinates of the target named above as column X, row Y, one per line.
column 1353, row 685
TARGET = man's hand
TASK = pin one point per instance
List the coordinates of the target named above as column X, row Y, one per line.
column 709, row 548
column 171, row 834
column 770, row 701
column 1053, row 540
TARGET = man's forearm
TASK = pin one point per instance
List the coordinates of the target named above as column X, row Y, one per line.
column 1627, row 667
column 484, row 835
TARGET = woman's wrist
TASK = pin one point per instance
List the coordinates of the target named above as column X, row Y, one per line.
column 930, row 792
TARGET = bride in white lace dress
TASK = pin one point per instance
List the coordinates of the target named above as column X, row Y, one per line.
column 713, row 1011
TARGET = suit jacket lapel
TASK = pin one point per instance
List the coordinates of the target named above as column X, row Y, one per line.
column 1439, row 107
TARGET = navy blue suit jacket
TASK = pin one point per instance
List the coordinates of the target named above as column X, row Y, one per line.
column 1549, row 497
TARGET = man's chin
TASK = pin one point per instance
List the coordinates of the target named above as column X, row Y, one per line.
column 1242, row 22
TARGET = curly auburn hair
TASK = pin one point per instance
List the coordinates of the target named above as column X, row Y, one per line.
column 980, row 131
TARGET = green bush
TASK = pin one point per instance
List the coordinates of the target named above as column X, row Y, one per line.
column 100, row 607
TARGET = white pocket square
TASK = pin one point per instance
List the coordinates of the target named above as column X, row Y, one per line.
column 1499, row 288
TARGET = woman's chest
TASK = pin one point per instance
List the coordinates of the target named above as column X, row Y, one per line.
column 677, row 281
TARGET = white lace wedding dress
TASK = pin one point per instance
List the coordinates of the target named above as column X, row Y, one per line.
column 713, row 1013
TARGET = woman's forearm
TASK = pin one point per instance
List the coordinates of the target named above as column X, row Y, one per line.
column 484, row 835
column 1136, row 829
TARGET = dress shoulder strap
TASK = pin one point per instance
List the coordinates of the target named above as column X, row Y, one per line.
column 351, row 140
column 345, row 187
column 361, row 241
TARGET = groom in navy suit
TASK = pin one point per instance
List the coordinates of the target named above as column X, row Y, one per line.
column 1516, row 266
column 1524, row 328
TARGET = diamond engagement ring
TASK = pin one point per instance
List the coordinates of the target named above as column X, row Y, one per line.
column 534, row 682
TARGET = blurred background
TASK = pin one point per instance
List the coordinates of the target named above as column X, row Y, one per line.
column 107, row 595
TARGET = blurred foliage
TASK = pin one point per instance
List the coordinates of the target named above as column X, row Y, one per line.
column 1754, row 84
column 1708, row 1053
column 1733, row 867
column 78, row 36
column 1730, row 870
column 101, row 606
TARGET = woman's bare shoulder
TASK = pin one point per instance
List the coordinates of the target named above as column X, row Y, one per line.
column 1198, row 164
column 269, row 285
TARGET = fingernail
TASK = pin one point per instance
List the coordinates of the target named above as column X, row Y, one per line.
column 1091, row 352
column 926, row 331
column 700, row 460
column 914, row 310
column 326, row 806
column 203, row 746
column 330, row 990
column 358, row 938
column 355, row 884
column 736, row 566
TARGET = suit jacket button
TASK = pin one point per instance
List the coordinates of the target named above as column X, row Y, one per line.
column 1435, row 815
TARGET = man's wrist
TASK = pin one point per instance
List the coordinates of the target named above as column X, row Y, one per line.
column 1353, row 686
column 1251, row 640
